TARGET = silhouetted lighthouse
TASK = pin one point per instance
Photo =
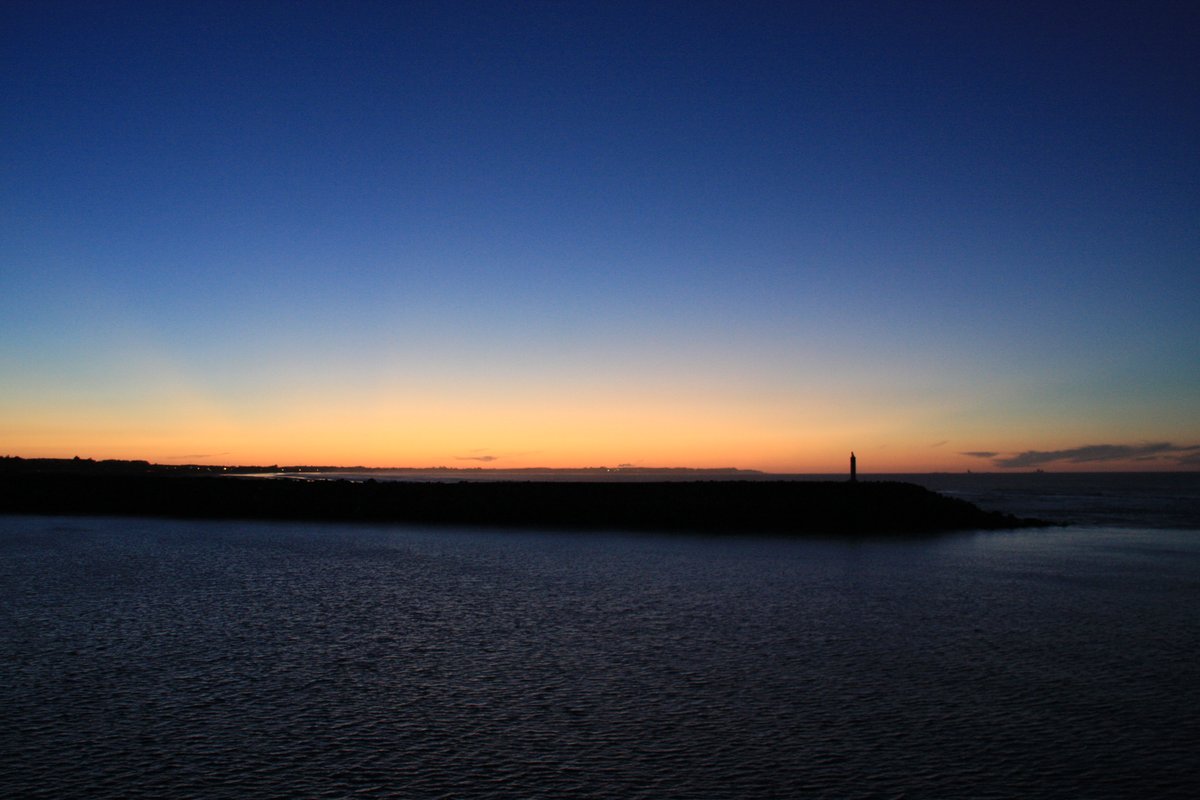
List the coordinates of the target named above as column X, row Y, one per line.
column 853, row 467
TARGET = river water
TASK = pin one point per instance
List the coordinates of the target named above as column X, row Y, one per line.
column 155, row 658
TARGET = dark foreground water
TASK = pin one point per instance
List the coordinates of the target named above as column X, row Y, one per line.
column 153, row 658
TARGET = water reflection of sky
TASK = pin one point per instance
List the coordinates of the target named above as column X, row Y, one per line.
column 259, row 659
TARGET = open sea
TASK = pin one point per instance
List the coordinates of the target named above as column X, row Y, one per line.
column 151, row 658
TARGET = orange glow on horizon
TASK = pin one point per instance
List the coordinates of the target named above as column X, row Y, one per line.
column 519, row 429
column 880, row 462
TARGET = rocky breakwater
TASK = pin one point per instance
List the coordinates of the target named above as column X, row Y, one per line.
column 762, row 506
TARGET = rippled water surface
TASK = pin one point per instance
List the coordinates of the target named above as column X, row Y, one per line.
column 154, row 658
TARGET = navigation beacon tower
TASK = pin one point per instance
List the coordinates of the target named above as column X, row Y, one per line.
column 853, row 467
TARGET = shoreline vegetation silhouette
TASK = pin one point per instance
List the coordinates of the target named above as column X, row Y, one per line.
column 681, row 500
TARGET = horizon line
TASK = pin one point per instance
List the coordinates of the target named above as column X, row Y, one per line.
column 627, row 468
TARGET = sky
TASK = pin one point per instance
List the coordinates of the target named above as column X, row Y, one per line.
column 944, row 235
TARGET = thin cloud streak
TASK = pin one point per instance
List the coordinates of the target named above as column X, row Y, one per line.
column 1094, row 453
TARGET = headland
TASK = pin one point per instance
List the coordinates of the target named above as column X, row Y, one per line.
column 781, row 507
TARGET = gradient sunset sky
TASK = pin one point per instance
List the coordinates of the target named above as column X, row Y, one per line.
column 945, row 235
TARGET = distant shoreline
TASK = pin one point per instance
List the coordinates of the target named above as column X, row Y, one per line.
column 138, row 467
column 703, row 504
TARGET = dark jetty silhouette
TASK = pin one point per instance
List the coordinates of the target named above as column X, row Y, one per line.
column 762, row 506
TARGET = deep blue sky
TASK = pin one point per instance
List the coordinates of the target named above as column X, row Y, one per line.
column 707, row 233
